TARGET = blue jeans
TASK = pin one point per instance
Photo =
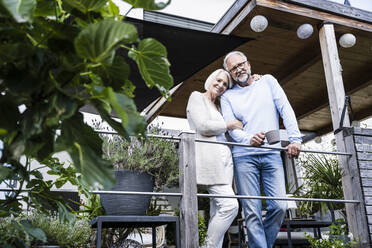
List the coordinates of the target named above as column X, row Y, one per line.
column 250, row 171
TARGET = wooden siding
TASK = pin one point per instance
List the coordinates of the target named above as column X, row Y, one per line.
column 363, row 146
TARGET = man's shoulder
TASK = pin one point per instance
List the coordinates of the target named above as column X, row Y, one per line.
column 268, row 77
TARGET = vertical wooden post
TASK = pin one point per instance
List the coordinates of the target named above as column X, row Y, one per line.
column 356, row 215
column 189, row 200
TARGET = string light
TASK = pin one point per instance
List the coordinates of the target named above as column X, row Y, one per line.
column 347, row 40
column 305, row 31
column 259, row 23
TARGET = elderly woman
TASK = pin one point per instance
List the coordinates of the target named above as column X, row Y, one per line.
column 214, row 164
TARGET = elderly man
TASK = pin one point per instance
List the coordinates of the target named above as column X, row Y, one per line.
column 258, row 105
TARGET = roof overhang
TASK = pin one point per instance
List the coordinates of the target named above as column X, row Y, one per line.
column 296, row 63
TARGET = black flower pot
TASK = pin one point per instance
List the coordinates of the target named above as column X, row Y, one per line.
column 129, row 204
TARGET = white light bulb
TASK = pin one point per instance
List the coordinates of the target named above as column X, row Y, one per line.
column 259, row 23
column 347, row 40
column 305, row 31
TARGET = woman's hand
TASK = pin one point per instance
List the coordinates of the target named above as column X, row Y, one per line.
column 253, row 78
column 256, row 77
column 235, row 124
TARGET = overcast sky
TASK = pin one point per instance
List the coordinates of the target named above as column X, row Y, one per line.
column 203, row 10
column 211, row 10
column 361, row 4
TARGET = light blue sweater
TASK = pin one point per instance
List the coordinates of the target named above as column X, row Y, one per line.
column 258, row 106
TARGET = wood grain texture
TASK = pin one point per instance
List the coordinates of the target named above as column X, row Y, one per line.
column 336, row 8
column 310, row 12
column 189, row 200
column 356, row 215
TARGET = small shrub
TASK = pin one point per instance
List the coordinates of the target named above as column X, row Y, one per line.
column 338, row 237
column 66, row 234
column 155, row 156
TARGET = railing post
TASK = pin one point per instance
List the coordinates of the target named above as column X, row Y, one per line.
column 189, row 200
column 356, row 215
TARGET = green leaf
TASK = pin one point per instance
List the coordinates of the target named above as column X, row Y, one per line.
column 98, row 41
column 4, row 213
column 37, row 174
column 64, row 215
column 153, row 64
column 57, row 29
column 85, row 149
column 126, row 110
column 33, row 231
column 115, row 74
column 19, row 10
column 113, row 8
column 65, row 106
column 121, row 111
column 46, row 8
column 87, row 5
column 4, row 172
column 128, row 88
column 32, row 120
column 105, row 114
column 3, row 131
column 148, row 4
column 9, row 113
column 15, row 52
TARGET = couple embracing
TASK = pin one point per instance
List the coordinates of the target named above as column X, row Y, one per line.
column 245, row 106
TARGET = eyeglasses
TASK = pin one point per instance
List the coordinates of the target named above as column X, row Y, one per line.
column 235, row 68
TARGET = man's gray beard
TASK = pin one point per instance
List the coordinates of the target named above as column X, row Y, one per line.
column 244, row 82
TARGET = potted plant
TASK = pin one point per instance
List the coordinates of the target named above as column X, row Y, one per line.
column 322, row 179
column 142, row 164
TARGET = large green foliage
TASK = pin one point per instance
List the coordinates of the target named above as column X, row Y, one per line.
column 322, row 179
column 55, row 57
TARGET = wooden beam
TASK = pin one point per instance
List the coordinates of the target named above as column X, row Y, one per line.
column 298, row 64
column 189, row 200
column 353, row 84
column 230, row 14
column 314, row 14
column 356, row 215
column 336, row 8
column 239, row 18
column 151, row 111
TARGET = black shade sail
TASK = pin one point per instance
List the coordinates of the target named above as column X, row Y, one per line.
column 188, row 52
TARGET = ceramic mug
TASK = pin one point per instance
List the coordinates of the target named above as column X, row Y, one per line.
column 272, row 137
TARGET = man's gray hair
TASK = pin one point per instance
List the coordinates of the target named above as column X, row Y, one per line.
column 213, row 77
column 232, row 53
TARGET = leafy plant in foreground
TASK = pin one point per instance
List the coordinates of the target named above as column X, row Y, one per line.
column 55, row 57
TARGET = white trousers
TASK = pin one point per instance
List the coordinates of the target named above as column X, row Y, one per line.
column 222, row 210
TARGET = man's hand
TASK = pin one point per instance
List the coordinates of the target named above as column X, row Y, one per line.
column 258, row 139
column 293, row 150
